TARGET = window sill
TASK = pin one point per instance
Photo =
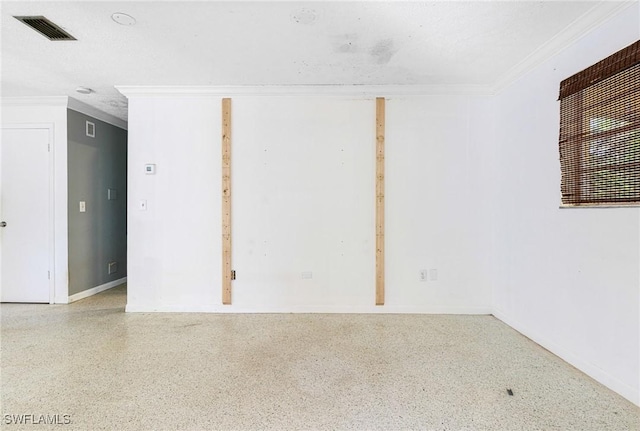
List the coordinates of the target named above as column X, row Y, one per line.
column 610, row 206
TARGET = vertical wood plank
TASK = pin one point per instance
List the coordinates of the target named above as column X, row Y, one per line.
column 226, row 201
column 380, row 123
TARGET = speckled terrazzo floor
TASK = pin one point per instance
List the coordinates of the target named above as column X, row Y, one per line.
column 117, row 371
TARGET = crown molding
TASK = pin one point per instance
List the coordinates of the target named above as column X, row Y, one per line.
column 343, row 91
column 83, row 108
column 60, row 101
column 574, row 31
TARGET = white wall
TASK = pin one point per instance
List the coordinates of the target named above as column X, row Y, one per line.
column 303, row 200
column 174, row 247
column 567, row 278
column 472, row 189
column 49, row 111
column 436, row 214
column 303, row 186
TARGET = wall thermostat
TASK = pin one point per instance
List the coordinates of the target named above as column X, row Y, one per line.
column 150, row 169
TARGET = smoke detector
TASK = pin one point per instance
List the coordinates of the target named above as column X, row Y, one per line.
column 123, row 18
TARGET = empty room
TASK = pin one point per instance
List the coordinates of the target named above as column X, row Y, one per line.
column 366, row 215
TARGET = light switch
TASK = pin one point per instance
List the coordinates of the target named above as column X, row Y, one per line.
column 83, row 206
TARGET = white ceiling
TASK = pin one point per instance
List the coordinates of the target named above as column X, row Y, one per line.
column 272, row 43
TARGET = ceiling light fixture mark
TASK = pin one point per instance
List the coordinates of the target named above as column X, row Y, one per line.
column 84, row 90
column 304, row 16
column 123, row 18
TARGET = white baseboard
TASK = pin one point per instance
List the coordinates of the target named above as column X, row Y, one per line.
column 322, row 309
column 97, row 289
column 593, row 371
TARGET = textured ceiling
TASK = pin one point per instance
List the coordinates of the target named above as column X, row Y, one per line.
column 271, row 43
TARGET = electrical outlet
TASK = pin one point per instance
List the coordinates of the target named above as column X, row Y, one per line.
column 424, row 275
column 82, row 206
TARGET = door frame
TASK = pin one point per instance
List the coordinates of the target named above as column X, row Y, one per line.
column 51, row 219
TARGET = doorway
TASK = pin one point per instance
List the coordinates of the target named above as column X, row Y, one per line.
column 26, row 222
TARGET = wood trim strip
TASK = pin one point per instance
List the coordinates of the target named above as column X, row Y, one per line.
column 380, row 135
column 226, row 201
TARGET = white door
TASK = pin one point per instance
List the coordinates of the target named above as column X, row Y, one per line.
column 24, row 215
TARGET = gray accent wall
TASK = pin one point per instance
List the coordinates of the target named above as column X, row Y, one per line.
column 97, row 236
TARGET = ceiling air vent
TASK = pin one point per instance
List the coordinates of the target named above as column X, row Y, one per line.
column 45, row 27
